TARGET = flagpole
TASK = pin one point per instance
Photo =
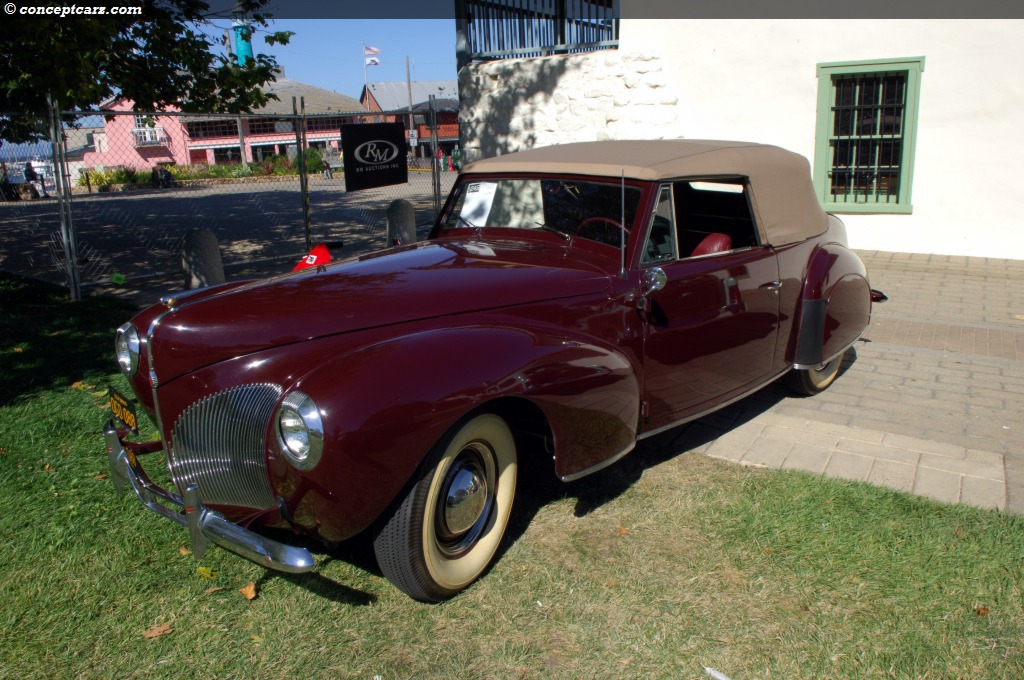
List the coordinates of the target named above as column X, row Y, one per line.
column 363, row 45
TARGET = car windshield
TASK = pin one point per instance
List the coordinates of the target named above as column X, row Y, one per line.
column 590, row 210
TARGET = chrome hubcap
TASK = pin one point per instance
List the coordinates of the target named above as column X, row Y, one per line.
column 825, row 371
column 466, row 499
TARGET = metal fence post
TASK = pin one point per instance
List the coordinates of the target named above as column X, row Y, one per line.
column 300, row 142
column 63, row 189
column 435, row 164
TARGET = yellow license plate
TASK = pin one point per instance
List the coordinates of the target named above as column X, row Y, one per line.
column 124, row 410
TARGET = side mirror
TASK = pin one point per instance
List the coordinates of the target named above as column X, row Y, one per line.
column 653, row 281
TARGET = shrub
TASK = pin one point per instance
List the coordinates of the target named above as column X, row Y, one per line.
column 127, row 176
column 314, row 161
column 274, row 165
column 282, row 165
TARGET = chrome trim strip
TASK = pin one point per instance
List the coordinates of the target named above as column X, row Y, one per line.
column 204, row 524
column 174, row 300
column 600, row 466
column 724, row 252
column 717, row 407
column 153, row 378
column 806, row 367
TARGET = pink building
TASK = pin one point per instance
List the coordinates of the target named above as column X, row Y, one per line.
column 131, row 141
column 144, row 141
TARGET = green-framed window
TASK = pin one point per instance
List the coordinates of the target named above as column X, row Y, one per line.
column 866, row 134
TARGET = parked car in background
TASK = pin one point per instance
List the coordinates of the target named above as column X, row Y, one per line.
column 569, row 302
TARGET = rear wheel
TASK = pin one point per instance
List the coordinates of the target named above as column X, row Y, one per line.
column 814, row 380
column 447, row 529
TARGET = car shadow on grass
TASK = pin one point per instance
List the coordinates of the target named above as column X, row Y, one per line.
column 322, row 586
column 356, row 552
column 538, row 486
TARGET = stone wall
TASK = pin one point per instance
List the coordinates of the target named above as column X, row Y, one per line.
column 518, row 104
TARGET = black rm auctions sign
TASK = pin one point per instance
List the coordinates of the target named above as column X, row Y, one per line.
column 374, row 155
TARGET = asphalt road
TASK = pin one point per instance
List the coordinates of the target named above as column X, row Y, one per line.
column 137, row 235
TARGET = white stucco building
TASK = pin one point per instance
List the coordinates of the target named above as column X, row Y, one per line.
column 914, row 128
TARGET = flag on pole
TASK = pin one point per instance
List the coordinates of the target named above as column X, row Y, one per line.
column 372, row 61
column 370, row 50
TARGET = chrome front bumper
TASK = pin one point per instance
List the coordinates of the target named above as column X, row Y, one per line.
column 204, row 525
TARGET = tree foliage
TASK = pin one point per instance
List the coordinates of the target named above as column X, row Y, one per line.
column 161, row 58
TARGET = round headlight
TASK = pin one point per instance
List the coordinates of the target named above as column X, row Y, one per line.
column 126, row 347
column 300, row 431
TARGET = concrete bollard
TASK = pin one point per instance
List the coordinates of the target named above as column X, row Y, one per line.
column 401, row 223
column 200, row 259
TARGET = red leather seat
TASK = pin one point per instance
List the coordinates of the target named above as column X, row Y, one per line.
column 713, row 243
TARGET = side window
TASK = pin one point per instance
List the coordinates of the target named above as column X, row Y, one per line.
column 713, row 216
column 661, row 241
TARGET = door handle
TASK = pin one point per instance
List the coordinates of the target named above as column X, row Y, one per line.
column 772, row 286
column 733, row 299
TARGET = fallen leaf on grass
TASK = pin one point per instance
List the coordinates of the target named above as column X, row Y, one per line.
column 982, row 611
column 103, row 476
column 212, row 590
column 48, row 468
column 249, row 591
column 184, row 551
column 79, row 385
column 157, row 631
column 206, row 573
column 17, row 350
column 622, row 531
column 612, row 583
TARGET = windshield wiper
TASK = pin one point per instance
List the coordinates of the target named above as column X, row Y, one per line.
column 552, row 229
column 467, row 222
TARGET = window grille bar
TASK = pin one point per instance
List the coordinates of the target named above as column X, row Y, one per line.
column 516, row 28
column 867, row 127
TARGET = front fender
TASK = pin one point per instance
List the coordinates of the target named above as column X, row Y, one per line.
column 835, row 305
column 385, row 405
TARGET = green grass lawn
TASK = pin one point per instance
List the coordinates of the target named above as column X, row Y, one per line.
column 656, row 567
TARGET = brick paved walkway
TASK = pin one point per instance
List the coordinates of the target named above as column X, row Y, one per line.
column 990, row 342
column 930, row 402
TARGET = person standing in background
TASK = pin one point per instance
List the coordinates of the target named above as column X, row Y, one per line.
column 32, row 177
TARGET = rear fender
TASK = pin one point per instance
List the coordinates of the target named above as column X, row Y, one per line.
column 385, row 405
column 835, row 305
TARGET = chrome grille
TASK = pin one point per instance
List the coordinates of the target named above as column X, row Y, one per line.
column 218, row 444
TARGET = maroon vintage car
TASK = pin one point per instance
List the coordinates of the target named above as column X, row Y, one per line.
column 570, row 301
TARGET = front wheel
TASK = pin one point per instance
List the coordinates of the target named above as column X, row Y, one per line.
column 814, row 380
column 447, row 528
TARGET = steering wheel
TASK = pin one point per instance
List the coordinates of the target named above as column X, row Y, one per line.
column 603, row 230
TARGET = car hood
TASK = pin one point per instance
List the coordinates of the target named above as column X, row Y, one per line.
column 421, row 281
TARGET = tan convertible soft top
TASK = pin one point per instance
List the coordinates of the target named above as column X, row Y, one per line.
column 782, row 195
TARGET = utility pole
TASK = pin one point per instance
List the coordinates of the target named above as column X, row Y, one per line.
column 408, row 84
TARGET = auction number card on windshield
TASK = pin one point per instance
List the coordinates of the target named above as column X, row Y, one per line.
column 477, row 206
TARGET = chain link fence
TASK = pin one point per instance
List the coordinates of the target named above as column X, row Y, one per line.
column 108, row 207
